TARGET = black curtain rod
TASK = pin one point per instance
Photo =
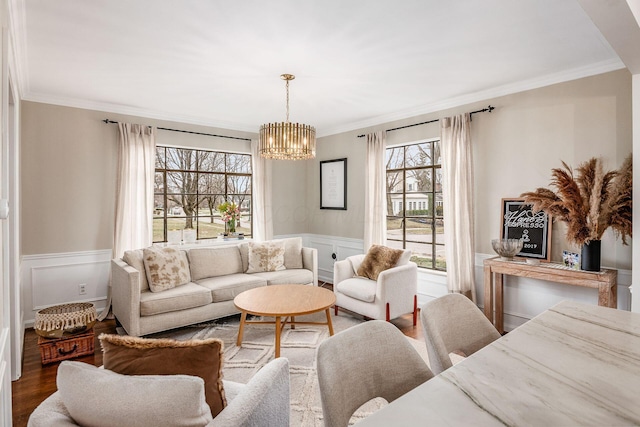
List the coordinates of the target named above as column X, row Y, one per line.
column 188, row 131
column 489, row 109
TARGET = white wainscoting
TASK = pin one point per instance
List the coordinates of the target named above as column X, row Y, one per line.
column 52, row 279
column 523, row 298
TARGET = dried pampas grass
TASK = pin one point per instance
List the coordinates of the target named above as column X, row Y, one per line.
column 589, row 202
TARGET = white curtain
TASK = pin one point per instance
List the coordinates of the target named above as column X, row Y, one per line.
column 261, row 190
column 134, row 191
column 457, row 171
column 375, row 204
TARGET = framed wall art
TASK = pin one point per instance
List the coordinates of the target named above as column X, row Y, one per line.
column 518, row 221
column 333, row 184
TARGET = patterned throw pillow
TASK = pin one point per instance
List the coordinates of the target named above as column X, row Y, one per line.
column 378, row 259
column 166, row 268
column 267, row 256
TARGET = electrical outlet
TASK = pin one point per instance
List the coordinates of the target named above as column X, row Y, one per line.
column 82, row 289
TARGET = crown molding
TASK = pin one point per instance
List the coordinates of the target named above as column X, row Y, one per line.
column 138, row 112
column 484, row 95
column 508, row 89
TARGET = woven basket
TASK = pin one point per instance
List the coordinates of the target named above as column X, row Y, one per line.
column 65, row 319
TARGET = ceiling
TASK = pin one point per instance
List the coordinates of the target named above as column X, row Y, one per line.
column 357, row 63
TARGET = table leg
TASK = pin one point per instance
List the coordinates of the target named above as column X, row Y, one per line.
column 499, row 303
column 329, row 324
column 277, row 336
column 293, row 322
column 243, row 317
column 607, row 295
column 488, row 293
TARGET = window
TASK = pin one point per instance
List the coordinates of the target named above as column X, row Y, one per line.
column 189, row 186
column 414, row 180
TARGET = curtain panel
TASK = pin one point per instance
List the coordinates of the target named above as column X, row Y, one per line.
column 134, row 192
column 375, row 204
column 457, row 171
column 261, row 191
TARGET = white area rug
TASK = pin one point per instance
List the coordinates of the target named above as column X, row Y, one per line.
column 298, row 345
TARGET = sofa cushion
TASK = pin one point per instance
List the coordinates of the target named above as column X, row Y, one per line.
column 176, row 299
column 102, row 398
column 360, row 288
column 266, row 256
column 166, row 268
column 226, row 288
column 378, row 259
column 212, row 262
column 297, row 276
column 143, row 356
column 134, row 259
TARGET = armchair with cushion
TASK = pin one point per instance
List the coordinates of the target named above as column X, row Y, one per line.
column 386, row 295
column 93, row 396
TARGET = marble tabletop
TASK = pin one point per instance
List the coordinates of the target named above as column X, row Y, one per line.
column 574, row 364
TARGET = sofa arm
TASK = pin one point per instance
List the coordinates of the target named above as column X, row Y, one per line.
column 125, row 295
column 402, row 282
column 342, row 270
column 310, row 262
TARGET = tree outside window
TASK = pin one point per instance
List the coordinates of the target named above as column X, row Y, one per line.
column 189, row 186
column 414, row 202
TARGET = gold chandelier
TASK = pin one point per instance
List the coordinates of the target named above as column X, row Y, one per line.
column 287, row 141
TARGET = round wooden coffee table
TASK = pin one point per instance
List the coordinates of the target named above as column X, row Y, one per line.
column 283, row 301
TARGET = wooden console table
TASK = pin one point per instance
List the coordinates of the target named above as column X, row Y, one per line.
column 606, row 281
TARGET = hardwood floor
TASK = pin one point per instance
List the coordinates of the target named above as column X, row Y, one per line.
column 39, row 381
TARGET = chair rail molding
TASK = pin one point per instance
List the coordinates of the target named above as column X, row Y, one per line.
column 50, row 279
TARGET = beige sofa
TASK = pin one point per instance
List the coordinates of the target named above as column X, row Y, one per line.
column 218, row 274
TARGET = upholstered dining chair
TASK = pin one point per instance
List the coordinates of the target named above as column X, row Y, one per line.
column 373, row 359
column 454, row 324
column 391, row 295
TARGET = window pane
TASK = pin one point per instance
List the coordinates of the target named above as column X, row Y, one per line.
column 395, row 158
column 440, row 231
column 418, row 155
column 158, row 230
column 160, row 158
column 182, row 183
column 208, row 229
column 181, row 159
column 394, row 228
column 158, row 206
column 158, row 184
column 441, row 258
column 419, row 180
column 210, row 161
column 418, row 230
column 238, row 163
column 439, row 204
column 437, row 157
column 421, row 254
column 438, row 179
column 239, row 184
column 211, row 183
column 394, row 244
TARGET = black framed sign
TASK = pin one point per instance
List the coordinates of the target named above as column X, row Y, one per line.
column 518, row 221
column 333, row 184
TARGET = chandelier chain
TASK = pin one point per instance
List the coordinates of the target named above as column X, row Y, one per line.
column 287, row 100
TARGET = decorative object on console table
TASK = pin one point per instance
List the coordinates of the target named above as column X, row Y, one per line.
column 507, row 248
column 519, row 221
column 174, row 237
column 589, row 203
column 189, row 235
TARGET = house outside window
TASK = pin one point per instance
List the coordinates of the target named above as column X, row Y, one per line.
column 191, row 184
column 414, row 180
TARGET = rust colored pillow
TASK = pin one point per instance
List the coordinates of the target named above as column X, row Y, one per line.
column 143, row 356
column 378, row 259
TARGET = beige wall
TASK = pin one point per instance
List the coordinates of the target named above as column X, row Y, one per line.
column 68, row 174
column 69, row 161
column 515, row 148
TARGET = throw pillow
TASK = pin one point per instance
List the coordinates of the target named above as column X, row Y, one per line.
column 378, row 259
column 144, row 356
column 292, row 252
column 166, row 268
column 102, row 398
column 266, row 256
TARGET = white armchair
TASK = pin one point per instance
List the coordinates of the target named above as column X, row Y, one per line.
column 391, row 296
